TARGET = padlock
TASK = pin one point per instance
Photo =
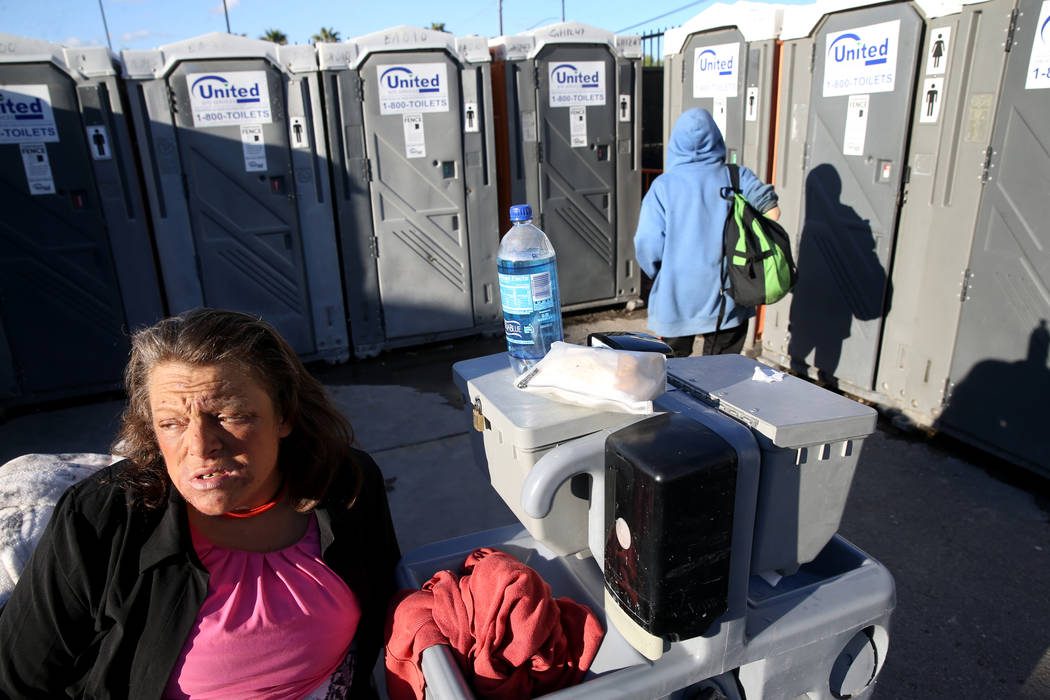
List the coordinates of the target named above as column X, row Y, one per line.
column 481, row 423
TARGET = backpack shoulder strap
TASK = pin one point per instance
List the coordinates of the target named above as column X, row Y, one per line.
column 734, row 176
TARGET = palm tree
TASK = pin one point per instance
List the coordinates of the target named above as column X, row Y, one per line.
column 438, row 26
column 275, row 35
column 327, row 35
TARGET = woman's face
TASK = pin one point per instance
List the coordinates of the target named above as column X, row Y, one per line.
column 219, row 433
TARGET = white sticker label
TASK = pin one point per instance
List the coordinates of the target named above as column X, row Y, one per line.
column 25, row 114
column 856, row 125
column 300, row 139
column 415, row 141
column 38, row 168
column 470, row 117
column 1039, row 63
column 718, row 111
column 937, row 60
column 932, row 95
column 412, row 88
column 625, row 108
column 576, row 83
column 98, row 143
column 578, row 126
column 715, row 70
column 864, row 58
column 751, row 107
column 254, row 148
column 528, row 127
column 225, row 99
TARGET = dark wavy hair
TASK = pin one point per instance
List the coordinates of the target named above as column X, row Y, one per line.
column 310, row 457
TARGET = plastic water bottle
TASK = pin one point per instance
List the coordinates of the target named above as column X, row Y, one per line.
column 528, row 287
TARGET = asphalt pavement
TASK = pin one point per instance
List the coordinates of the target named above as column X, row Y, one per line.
column 966, row 535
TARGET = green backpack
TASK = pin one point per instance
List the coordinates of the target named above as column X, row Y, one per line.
column 758, row 267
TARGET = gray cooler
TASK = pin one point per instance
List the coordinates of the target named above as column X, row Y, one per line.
column 517, row 429
column 810, row 440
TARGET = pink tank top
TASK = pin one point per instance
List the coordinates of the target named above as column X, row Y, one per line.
column 273, row 624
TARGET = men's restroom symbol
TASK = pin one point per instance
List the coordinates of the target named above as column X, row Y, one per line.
column 625, row 108
column 99, row 142
column 931, row 99
column 931, row 96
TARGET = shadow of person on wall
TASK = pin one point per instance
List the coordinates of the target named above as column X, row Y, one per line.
column 840, row 278
column 1003, row 404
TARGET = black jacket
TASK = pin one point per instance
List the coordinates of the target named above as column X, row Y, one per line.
column 111, row 592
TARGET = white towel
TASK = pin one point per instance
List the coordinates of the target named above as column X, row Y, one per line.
column 30, row 486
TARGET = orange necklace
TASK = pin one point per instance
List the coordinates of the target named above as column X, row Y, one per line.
column 258, row 510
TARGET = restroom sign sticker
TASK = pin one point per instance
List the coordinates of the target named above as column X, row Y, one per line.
column 415, row 136
column 715, row 70
column 254, row 146
column 225, row 99
column 412, row 88
column 856, row 125
column 576, row 83
column 861, row 60
column 26, row 115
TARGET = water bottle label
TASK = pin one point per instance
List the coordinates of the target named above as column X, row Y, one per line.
column 516, row 293
column 541, row 290
column 519, row 330
column 531, row 308
column 523, row 294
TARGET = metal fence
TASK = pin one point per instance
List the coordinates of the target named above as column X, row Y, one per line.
column 652, row 47
column 652, row 105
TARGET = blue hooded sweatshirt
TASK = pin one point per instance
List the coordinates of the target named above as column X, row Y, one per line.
column 678, row 242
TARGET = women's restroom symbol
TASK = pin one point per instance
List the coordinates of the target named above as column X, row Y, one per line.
column 937, row 58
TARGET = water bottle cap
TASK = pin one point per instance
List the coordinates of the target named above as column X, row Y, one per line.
column 520, row 212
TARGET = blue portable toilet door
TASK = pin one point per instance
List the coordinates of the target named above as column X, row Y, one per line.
column 714, row 66
column 1000, row 375
column 860, row 113
column 577, row 110
column 233, row 142
column 59, row 295
column 414, row 143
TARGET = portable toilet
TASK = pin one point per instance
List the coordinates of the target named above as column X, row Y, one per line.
column 410, row 124
column 724, row 60
column 999, row 373
column 573, row 100
column 845, row 84
column 77, row 265
column 231, row 136
column 948, row 164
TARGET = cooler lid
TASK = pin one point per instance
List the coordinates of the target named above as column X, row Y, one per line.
column 530, row 421
column 791, row 412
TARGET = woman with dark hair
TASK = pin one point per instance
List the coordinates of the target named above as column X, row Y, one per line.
column 243, row 549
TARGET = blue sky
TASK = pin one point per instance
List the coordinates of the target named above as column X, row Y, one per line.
column 141, row 24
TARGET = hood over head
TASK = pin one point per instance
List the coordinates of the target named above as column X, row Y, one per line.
column 695, row 139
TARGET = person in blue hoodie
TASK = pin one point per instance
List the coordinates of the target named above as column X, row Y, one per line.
column 678, row 242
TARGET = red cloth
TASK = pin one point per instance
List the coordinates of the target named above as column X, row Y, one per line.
column 510, row 637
